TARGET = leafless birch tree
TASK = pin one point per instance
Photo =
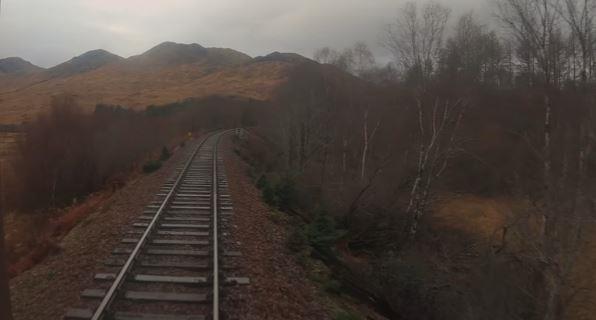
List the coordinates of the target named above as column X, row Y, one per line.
column 437, row 132
column 536, row 26
column 579, row 16
column 416, row 37
column 368, row 137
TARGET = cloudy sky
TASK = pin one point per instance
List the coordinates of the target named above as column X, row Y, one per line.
column 47, row 32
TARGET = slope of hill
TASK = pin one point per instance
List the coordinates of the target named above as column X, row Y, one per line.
column 16, row 65
column 286, row 57
column 166, row 73
column 86, row 62
column 171, row 54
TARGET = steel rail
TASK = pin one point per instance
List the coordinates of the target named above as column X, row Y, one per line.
column 111, row 293
column 215, row 312
column 215, row 195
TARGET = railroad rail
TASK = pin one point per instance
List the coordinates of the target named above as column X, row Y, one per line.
column 169, row 266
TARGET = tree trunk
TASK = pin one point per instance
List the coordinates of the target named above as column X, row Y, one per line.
column 547, row 168
column 5, row 308
column 364, row 148
column 552, row 304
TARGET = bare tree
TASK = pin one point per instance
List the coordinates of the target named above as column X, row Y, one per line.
column 534, row 24
column 437, row 134
column 368, row 138
column 416, row 37
column 5, row 305
column 364, row 60
column 579, row 16
column 358, row 59
column 473, row 54
column 536, row 27
column 325, row 55
column 343, row 60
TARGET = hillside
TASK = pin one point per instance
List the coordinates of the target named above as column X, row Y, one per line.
column 166, row 73
column 16, row 65
column 171, row 54
column 86, row 62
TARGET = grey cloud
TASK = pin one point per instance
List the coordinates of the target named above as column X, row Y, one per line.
column 49, row 32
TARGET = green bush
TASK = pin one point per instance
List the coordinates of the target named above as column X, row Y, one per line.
column 262, row 182
column 269, row 196
column 151, row 166
column 281, row 195
column 285, row 192
column 165, row 154
column 322, row 234
column 297, row 240
column 345, row 315
column 332, row 286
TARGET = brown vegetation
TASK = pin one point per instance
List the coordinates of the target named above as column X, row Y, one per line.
column 456, row 184
column 56, row 282
column 75, row 160
column 500, row 132
column 162, row 75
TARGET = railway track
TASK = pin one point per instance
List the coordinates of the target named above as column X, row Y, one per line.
column 169, row 266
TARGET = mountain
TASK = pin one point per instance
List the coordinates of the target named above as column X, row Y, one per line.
column 171, row 54
column 166, row 73
column 86, row 62
column 285, row 57
column 16, row 65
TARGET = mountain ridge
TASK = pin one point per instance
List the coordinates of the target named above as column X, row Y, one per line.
column 85, row 62
column 17, row 65
column 172, row 53
column 166, row 73
column 165, row 53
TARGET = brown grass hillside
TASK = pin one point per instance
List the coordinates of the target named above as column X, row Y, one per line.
column 150, row 79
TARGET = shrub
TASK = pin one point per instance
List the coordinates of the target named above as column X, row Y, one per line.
column 285, row 192
column 262, row 182
column 165, row 154
column 322, row 234
column 345, row 315
column 151, row 166
column 281, row 195
column 269, row 196
column 297, row 240
column 332, row 286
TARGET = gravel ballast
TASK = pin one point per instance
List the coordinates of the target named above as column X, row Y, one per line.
column 279, row 288
column 52, row 286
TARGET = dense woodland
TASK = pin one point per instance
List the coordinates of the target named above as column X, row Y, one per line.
column 363, row 160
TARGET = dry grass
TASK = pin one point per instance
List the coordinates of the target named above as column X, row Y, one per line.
column 481, row 218
column 8, row 144
column 472, row 215
column 122, row 85
column 583, row 304
column 30, row 238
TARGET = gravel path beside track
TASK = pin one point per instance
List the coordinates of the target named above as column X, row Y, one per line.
column 279, row 287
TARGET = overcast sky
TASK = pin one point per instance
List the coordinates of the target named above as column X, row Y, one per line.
column 48, row 32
